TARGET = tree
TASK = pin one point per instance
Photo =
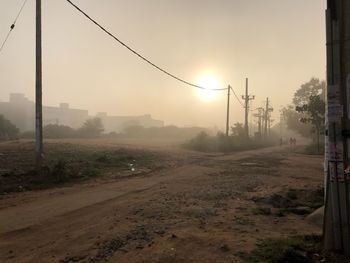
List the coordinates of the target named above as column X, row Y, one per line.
column 7, row 129
column 292, row 119
column 91, row 128
column 238, row 130
column 314, row 87
column 307, row 112
column 315, row 114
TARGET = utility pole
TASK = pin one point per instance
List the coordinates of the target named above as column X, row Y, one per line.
column 246, row 99
column 336, row 219
column 38, row 91
column 270, row 123
column 228, row 110
column 266, row 117
column 281, row 126
column 260, row 116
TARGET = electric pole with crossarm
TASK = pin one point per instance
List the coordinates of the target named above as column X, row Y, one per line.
column 246, row 99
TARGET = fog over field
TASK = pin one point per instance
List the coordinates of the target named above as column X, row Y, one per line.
column 174, row 131
column 277, row 44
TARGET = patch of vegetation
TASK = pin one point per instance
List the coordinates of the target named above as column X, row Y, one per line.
column 243, row 221
column 222, row 143
column 67, row 163
column 261, row 211
column 294, row 210
column 91, row 128
column 311, row 198
column 295, row 201
column 292, row 194
column 7, row 129
column 298, row 249
column 90, row 172
column 171, row 131
column 313, row 149
column 280, row 213
column 59, row 171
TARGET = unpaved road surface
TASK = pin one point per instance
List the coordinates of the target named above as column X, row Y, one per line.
column 197, row 211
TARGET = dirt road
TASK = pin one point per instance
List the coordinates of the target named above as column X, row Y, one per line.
column 199, row 211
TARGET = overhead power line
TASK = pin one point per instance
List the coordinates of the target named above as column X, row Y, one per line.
column 138, row 54
column 12, row 26
column 238, row 99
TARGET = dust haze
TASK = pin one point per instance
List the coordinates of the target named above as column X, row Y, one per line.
column 173, row 131
column 277, row 45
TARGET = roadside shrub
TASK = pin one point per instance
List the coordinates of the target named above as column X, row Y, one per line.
column 27, row 135
column 55, row 131
column 261, row 211
column 7, row 129
column 314, row 149
column 295, row 249
column 59, row 171
column 222, row 143
column 173, row 132
column 91, row 128
column 202, row 142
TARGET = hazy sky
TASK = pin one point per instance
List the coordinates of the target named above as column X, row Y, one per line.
column 278, row 44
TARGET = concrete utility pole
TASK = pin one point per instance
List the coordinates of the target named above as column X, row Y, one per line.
column 246, row 98
column 336, row 219
column 228, row 110
column 38, row 91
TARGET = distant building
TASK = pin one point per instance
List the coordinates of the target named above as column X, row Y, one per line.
column 21, row 112
column 64, row 115
column 119, row 123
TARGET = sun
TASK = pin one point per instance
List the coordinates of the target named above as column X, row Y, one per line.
column 209, row 82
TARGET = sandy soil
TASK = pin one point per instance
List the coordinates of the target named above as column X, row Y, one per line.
column 199, row 210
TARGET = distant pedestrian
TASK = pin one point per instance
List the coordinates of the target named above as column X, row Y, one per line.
column 281, row 142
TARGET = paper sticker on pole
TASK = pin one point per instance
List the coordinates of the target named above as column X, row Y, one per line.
column 335, row 112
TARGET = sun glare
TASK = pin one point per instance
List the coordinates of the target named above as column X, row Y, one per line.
column 209, row 82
